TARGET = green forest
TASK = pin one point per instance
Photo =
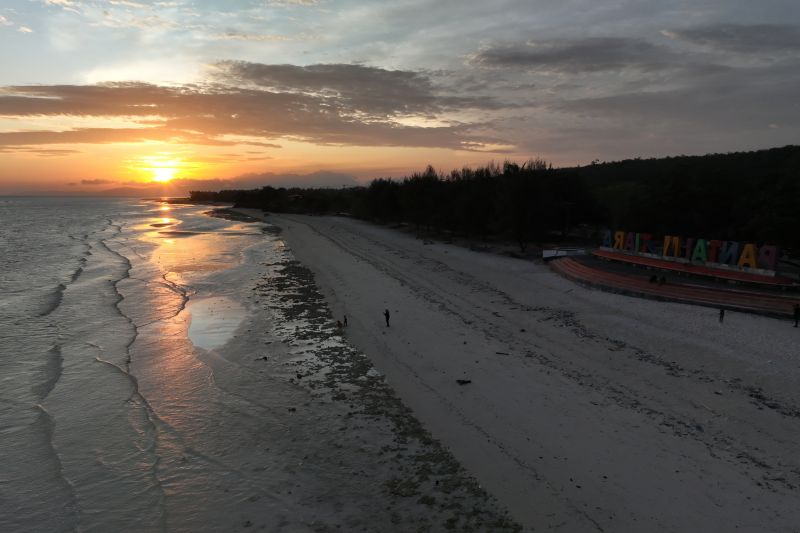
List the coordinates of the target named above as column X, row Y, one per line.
column 745, row 196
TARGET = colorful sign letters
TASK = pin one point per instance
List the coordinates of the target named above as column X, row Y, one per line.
column 696, row 251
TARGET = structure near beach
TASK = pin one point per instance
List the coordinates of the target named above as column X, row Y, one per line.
column 713, row 253
column 727, row 274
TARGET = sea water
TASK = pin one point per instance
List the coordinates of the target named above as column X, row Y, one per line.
column 163, row 368
column 109, row 416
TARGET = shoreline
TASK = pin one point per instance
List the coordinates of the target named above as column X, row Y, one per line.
column 349, row 451
column 585, row 410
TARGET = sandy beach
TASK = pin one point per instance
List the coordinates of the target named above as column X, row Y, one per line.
column 579, row 410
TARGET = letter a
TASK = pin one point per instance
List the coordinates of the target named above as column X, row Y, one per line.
column 700, row 254
column 748, row 257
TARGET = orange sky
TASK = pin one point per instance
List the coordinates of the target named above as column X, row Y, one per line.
column 122, row 134
column 102, row 94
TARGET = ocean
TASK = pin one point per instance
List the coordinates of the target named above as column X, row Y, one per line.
column 93, row 314
column 164, row 367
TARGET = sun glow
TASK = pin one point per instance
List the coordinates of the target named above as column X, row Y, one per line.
column 160, row 168
column 163, row 174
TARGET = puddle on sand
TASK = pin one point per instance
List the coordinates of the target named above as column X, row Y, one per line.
column 213, row 321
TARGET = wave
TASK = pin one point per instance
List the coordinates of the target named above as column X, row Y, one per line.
column 155, row 425
column 53, row 300
column 52, row 368
column 71, row 518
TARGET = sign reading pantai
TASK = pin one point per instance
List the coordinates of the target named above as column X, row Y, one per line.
column 711, row 252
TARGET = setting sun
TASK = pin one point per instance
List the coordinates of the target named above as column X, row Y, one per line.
column 160, row 167
column 163, row 174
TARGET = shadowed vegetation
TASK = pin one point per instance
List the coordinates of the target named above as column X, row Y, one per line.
column 750, row 196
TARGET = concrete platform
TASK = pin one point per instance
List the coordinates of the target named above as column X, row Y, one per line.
column 770, row 303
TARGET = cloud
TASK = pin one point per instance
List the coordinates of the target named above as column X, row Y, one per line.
column 744, row 99
column 67, row 5
column 589, row 54
column 286, row 3
column 258, row 37
column 255, row 104
column 97, row 182
column 742, row 38
column 355, row 88
column 61, row 3
column 53, row 152
column 43, row 152
column 127, row 3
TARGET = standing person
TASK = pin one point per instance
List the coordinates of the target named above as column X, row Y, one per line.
column 796, row 314
column 345, row 320
column 721, row 314
column 386, row 316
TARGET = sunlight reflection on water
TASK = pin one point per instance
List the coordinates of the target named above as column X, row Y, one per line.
column 213, row 321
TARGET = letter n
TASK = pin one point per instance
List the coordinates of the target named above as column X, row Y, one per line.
column 729, row 252
column 672, row 243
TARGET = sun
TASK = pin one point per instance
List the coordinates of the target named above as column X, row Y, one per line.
column 161, row 167
column 163, row 174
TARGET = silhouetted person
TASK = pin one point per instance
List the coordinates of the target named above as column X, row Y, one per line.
column 653, row 279
column 662, row 280
column 386, row 316
column 339, row 324
column 345, row 321
column 796, row 314
column 721, row 315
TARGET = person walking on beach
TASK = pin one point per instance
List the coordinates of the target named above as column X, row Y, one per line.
column 796, row 314
column 386, row 316
column 721, row 314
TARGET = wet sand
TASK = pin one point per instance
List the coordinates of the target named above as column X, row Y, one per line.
column 579, row 410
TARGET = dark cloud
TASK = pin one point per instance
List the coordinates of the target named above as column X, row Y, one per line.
column 333, row 105
column 591, row 54
column 97, row 182
column 354, row 88
column 734, row 100
column 741, row 38
column 43, row 152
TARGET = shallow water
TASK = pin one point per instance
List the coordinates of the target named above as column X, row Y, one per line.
column 93, row 313
column 213, row 321
column 163, row 379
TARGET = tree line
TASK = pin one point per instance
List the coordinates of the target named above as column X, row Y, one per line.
column 747, row 196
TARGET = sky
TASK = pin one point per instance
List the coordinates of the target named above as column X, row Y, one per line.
column 100, row 95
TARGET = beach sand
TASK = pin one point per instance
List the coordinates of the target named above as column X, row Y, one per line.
column 583, row 410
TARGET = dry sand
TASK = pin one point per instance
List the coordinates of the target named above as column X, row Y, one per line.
column 586, row 411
